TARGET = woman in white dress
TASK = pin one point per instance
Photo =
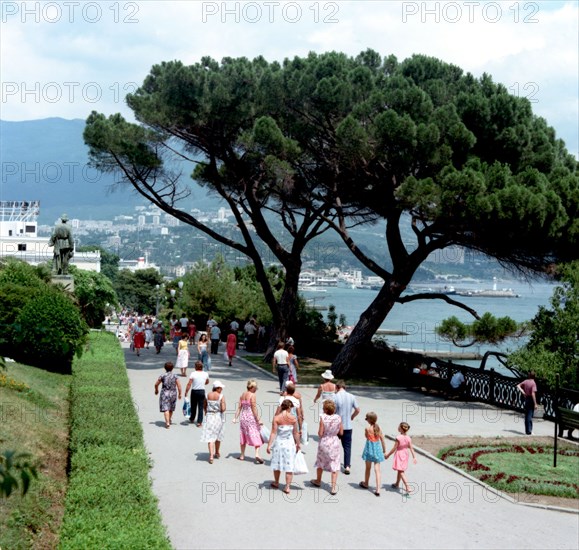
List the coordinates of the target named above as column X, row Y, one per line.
column 326, row 390
column 283, row 444
column 202, row 345
column 148, row 332
column 214, row 421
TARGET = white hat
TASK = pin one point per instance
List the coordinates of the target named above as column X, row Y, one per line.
column 217, row 384
column 327, row 375
column 289, row 383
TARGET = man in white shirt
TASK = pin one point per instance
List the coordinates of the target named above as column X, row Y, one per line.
column 281, row 363
column 215, row 336
column 458, row 384
column 250, row 329
column 347, row 408
column 197, row 382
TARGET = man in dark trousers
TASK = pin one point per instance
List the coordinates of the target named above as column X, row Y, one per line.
column 528, row 388
column 347, row 408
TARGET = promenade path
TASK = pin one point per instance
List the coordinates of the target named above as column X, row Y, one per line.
column 229, row 504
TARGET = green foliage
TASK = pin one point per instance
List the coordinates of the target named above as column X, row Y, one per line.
column 13, row 297
column 225, row 293
column 453, row 329
column 519, row 468
column 109, row 503
column 109, row 260
column 49, row 331
column 94, row 293
column 553, row 347
column 329, row 141
column 335, row 322
column 486, row 330
column 15, row 465
column 34, row 420
column 19, row 283
column 17, row 272
column 136, row 289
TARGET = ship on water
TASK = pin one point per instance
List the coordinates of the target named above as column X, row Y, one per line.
column 489, row 292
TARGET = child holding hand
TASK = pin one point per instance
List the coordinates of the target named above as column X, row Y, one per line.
column 402, row 444
column 374, row 451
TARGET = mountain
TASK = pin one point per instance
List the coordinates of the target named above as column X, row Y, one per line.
column 46, row 160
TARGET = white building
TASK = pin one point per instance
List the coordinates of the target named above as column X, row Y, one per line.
column 19, row 237
column 142, row 262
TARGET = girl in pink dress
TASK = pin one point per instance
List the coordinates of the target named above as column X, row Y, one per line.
column 249, row 422
column 329, row 447
column 402, row 444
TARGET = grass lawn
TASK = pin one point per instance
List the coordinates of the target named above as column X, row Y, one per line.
column 34, row 410
column 526, row 468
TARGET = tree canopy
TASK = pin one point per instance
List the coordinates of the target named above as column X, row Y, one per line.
column 553, row 346
column 94, row 294
column 332, row 141
column 137, row 289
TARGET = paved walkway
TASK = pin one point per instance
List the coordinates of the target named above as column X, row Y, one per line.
column 229, row 504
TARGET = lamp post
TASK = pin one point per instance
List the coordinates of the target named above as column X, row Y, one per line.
column 180, row 284
column 157, row 288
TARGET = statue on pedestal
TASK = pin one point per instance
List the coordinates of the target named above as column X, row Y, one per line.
column 63, row 244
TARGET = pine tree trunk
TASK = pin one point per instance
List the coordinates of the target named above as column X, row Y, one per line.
column 288, row 304
column 365, row 328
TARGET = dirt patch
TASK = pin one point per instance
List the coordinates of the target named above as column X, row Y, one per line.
column 435, row 444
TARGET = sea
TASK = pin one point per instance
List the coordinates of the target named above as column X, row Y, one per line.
column 419, row 319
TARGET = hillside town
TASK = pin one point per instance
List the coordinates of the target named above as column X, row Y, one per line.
column 146, row 237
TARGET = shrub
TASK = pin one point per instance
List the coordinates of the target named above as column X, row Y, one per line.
column 93, row 292
column 21, row 273
column 109, row 503
column 49, row 331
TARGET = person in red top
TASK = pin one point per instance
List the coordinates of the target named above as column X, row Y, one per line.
column 528, row 388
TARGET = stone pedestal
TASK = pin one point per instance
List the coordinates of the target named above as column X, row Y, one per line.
column 67, row 281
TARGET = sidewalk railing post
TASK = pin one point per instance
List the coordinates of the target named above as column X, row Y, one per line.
column 492, row 399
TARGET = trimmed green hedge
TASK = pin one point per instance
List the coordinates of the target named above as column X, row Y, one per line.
column 109, row 503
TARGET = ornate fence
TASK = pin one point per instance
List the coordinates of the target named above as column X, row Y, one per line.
column 486, row 386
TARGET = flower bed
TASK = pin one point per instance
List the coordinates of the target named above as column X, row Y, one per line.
column 519, row 468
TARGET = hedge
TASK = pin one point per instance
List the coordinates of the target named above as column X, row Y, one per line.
column 109, row 503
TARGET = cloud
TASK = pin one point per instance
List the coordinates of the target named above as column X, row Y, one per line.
column 109, row 47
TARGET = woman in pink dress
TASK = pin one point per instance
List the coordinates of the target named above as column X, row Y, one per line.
column 329, row 447
column 249, row 421
column 402, row 444
column 231, row 346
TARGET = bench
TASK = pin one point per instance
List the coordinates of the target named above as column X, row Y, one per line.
column 568, row 420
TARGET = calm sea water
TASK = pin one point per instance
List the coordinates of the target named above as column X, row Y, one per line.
column 419, row 319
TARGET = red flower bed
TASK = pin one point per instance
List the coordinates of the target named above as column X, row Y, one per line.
column 473, row 464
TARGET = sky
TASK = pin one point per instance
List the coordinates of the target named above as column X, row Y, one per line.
column 68, row 58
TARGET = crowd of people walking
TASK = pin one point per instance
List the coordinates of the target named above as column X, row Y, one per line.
column 287, row 432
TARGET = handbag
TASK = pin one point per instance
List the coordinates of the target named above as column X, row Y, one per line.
column 186, row 407
column 300, row 466
column 304, row 440
column 265, row 433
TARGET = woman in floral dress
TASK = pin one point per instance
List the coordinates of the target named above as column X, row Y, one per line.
column 329, row 447
column 283, row 444
column 214, row 422
column 249, row 422
column 170, row 387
